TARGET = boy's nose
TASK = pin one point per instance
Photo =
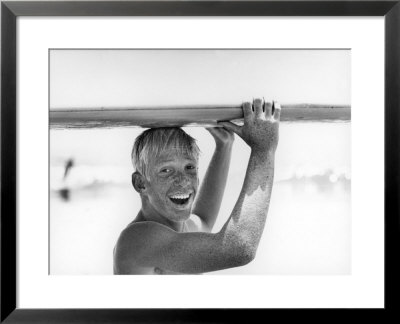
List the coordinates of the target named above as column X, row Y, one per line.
column 181, row 178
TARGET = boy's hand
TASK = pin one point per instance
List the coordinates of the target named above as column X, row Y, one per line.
column 261, row 128
column 222, row 136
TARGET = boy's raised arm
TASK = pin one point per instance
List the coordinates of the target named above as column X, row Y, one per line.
column 209, row 197
column 261, row 133
column 154, row 245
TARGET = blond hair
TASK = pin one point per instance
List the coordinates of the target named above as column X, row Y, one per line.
column 150, row 143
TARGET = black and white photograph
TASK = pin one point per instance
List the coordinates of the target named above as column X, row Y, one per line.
column 200, row 161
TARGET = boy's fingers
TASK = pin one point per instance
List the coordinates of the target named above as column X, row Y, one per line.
column 268, row 110
column 247, row 110
column 277, row 110
column 218, row 132
column 258, row 107
column 211, row 130
column 231, row 127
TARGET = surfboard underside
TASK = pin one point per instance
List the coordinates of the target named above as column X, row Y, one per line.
column 183, row 116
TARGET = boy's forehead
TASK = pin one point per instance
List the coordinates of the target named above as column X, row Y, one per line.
column 174, row 154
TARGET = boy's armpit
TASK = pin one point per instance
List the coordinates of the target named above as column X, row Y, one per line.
column 150, row 244
column 195, row 224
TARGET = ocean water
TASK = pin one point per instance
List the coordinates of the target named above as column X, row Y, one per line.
column 308, row 229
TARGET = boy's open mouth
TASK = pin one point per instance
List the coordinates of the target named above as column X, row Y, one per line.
column 180, row 199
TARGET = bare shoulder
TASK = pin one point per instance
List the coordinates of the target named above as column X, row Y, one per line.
column 141, row 244
column 147, row 231
column 135, row 234
column 134, row 242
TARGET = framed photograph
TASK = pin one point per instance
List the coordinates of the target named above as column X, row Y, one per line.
column 128, row 124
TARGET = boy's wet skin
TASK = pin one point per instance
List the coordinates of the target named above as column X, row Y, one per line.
column 172, row 232
column 187, row 226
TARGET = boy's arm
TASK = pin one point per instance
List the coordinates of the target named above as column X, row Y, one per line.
column 150, row 244
column 209, row 197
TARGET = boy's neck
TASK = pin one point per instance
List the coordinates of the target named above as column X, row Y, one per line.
column 146, row 214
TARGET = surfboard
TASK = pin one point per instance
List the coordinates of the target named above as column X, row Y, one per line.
column 171, row 116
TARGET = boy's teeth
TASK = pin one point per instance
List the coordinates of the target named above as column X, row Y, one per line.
column 180, row 196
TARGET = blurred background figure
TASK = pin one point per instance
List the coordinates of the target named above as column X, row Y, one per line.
column 65, row 192
column 68, row 165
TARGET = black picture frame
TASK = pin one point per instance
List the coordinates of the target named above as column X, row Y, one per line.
column 11, row 10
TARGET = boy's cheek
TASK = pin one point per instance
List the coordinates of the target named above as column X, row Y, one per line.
column 159, row 180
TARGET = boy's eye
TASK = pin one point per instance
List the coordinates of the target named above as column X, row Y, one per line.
column 191, row 167
column 165, row 170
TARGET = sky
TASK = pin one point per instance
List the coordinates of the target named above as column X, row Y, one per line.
column 133, row 78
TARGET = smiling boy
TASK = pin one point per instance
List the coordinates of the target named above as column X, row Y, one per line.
column 172, row 232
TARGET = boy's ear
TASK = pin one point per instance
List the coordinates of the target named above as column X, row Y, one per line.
column 138, row 182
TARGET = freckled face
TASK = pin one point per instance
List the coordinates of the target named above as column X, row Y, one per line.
column 172, row 185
